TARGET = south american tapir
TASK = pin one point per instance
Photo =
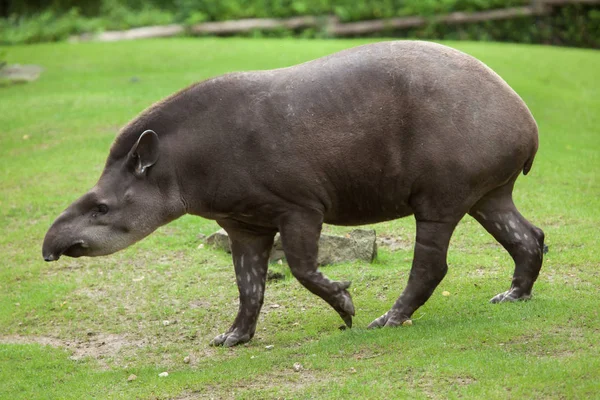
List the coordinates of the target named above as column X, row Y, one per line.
column 369, row 134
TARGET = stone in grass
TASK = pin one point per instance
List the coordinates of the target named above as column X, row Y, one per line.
column 131, row 378
column 297, row 367
column 219, row 240
column 359, row 244
column 20, row 73
column 163, row 374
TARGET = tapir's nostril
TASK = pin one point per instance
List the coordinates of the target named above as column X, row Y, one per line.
column 50, row 257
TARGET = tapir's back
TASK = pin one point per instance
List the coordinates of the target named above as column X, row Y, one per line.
column 379, row 120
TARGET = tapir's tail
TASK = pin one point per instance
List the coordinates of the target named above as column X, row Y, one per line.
column 534, row 150
column 528, row 164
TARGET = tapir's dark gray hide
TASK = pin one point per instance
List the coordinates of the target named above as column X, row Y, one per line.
column 366, row 135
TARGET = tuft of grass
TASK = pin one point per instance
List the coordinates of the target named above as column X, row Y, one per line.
column 78, row 328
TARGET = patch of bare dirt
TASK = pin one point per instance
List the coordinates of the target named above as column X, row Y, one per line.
column 288, row 381
column 560, row 342
column 429, row 385
column 394, row 243
column 97, row 346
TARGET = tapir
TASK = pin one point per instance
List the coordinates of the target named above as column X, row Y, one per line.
column 369, row 134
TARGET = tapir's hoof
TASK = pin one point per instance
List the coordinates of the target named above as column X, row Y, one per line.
column 345, row 307
column 229, row 339
column 390, row 318
column 510, row 295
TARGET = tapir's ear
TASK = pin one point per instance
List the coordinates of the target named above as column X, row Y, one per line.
column 145, row 152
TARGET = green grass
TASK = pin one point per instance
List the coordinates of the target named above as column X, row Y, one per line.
column 103, row 317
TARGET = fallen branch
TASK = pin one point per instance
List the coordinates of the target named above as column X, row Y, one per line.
column 332, row 25
column 357, row 28
column 247, row 25
column 139, row 33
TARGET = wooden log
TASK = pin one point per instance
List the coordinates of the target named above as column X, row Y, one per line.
column 362, row 27
column 247, row 25
column 141, row 33
column 335, row 28
column 332, row 24
column 566, row 2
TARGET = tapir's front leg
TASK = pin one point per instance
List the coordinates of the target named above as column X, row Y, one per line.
column 250, row 251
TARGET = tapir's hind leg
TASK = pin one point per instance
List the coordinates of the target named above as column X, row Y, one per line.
column 250, row 250
column 300, row 233
column 524, row 241
column 428, row 269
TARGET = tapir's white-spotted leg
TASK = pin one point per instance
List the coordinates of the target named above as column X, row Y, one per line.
column 497, row 213
column 428, row 269
column 250, row 251
column 300, row 233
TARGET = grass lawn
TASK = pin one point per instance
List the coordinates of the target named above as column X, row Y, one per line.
column 78, row 328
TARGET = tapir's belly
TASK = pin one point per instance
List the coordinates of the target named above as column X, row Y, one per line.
column 369, row 215
column 368, row 202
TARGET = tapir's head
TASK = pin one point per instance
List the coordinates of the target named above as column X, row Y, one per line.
column 134, row 196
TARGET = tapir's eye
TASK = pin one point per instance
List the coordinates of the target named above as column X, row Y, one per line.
column 99, row 209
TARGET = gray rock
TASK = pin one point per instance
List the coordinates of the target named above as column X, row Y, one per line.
column 359, row 244
column 219, row 240
column 277, row 250
column 20, row 73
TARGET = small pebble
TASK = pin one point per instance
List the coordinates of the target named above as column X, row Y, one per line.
column 186, row 359
column 275, row 306
column 297, row 367
column 408, row 322
column 269, row 347
column 166, row 323
column 163, row 374
column 131, row 377
column 446, row 293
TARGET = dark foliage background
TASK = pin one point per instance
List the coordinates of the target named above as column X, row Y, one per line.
column 29, row 21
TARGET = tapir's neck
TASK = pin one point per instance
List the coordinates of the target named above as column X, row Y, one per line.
column 197, row 130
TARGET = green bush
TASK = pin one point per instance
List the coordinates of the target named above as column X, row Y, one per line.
column 45, row 27
column 50, row 26
column 347, row 10
column 116, row 15
column 574, row 25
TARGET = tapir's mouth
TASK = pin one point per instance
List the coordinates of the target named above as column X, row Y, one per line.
column 77, row 249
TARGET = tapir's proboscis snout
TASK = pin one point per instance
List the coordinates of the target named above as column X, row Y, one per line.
column 122, row 208
column 366, row 135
